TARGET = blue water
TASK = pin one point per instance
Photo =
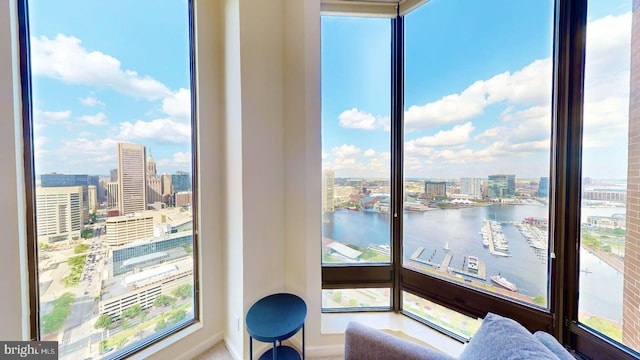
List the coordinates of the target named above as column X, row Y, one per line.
column 460, row 229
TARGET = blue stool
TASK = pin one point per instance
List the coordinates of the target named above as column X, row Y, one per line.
column 276, row 318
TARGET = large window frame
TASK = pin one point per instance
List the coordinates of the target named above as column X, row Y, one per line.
column 29, row 182
column 561, row 316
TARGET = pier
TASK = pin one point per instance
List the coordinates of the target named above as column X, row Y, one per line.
column 492, row 250
column 444, row 266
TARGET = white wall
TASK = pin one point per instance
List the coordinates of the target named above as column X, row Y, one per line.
column 13, row 302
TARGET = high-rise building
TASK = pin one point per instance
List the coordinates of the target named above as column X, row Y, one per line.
column 471, row 186
column 154, row 184
column 60, row 180
column 167, row 187
column 501, row 186
column 125, row 229
column 154, row 190
column 93, row 198
column 113, row 175
column 132, row 178
column 543, row 186
column 328, row 194
column 151, row 166
column 112, row 195
column 59, row 211
column 181, row 181
column 631, row 291
column 435, row 188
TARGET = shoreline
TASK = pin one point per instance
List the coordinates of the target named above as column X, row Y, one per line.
column 606, row 258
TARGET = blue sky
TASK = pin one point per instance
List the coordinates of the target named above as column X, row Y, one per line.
column 105, row 72
column 477, row 87
column 477, row 90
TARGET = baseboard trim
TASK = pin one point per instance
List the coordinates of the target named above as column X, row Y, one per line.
column 317, row 351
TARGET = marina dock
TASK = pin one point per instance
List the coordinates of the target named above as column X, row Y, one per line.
column 445, row 265
column 492, row 250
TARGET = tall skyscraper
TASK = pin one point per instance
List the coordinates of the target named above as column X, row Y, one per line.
column 328, row 194
column 471, row 186
column 60, row 213
column 543, row 186
column 132, row 178
column 181, row 181
column 631, row 291
column 501, row 186
column 154, row 184
column 112, row 195
column 151, row 166
column 93, row 198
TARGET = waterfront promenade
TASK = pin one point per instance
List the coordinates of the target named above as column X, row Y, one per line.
column 607, row 258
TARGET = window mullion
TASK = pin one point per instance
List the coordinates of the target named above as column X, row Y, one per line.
column 397, row 146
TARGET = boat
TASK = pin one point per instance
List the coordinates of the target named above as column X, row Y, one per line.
column 446, row 246
column 503, row 282
column 472, row 263
column 485, row 242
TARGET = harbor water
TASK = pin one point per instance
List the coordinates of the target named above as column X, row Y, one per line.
column 459, row 230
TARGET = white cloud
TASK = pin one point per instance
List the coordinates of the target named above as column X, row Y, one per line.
column 178, row 105
column 91, row 100
column 449, row 109
column 178, row 160
column 99, row 119
column 159, row 131
column 50, row 117
column 356, row 119
column 346, row 151
column 459, row 135
column 491, row 133
column 64, row 58
column 370, row 153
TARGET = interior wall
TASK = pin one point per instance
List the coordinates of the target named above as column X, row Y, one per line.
column 303, row 172
column 233, row 194
column 13, row 302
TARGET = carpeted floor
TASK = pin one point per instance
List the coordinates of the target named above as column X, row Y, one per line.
column 220, row 352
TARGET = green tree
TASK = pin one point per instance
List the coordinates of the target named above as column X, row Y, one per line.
column 177, row 316
column 132, row 312
column 104, row 321
column 337, row 296
column 183, row 291
column 161, row 324
column 81, row 248
column 163, row 300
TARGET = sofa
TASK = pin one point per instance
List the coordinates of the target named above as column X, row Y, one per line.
column 497, row 338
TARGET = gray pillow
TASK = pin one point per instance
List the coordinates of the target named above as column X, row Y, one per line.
column 503, row 338
column 552, row 344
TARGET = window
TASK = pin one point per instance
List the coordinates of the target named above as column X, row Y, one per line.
column 477, row 145
column 608, row 302
column 111, row 172
column 513, row 170
column 356, row 184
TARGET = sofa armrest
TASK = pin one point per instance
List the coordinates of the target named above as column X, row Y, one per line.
column 364, row 342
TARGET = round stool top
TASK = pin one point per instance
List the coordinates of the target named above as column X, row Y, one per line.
column 276, row 317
